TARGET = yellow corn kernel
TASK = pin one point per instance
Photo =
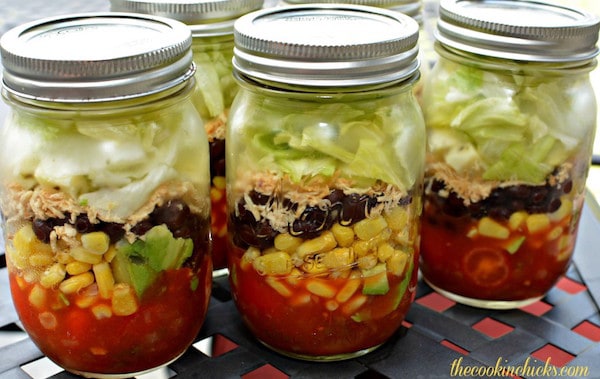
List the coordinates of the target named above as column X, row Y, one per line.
column 367, row 262
column 101, row 311
column 249, row 256
column 555, row 233
column 83, row 255
column 331, row 305
column 537, row 222
column 53, row 275
column 564, row 255
column 384, row 236
column 40, row 260
column 37, row 297
column 344, row 235
column 490, row 228
column 124, row 301
column 352, row 305
column 397, row 218
column 48, row 320
column 76, row 283
column 76, row 267
column 397, row 262
column 565, row 209
column 294, row 277
column 110, row 254
column 338, row 258
column 320, row 288
column 472, row 233
column 361, row 248
column 96, row 350
column 104, row 279
column 96, row 242
column 286, row 242
column 300, row 299
column 64, row 257
column 215, row 194
column 88, row 298
column 23, row 239
column 16, row 258
column 279, row 286
column 219, row 182
column 347, row 290
column 516, row 220
column 566, row 242
column 322, row 243
column 278, row 263
column 369, row 227
column 384, row 252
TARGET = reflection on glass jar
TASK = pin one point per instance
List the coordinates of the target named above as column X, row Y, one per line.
column 324, row 170
column 510, row 129
column 105, row 191
column 211, row 23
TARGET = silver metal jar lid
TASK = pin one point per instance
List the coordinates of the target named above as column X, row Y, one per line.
column 410, row 8
column 95, row 57
column 206, row 18
column 518, row 29
column 326, row 45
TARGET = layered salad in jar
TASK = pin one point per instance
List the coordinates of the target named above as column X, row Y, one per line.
column 106, row 222
column 507, row 163
column 216, row 88
column 324, row 199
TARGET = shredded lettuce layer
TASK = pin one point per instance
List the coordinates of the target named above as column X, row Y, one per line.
column 505, row 126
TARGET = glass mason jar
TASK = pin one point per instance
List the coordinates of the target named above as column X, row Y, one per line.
column 511, row 116
column 211, row 23
column 104, row 190
column 325, row 157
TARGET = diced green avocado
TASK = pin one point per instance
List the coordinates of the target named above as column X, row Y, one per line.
column 165, row 252
column 130, row 267
column 515, row 244
column 375, row 281
column 140, row 263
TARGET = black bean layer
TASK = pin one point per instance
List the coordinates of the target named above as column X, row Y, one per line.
column 217, row 158
column 502, row 202
column 343, row 209
column 175, row 214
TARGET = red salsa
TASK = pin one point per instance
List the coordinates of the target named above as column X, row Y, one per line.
column 82, row 333
column 502, row 251
column 315, row 315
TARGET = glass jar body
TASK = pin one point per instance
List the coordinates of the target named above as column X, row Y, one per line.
column 324, row 197
column 216, row 88
column 509, row 148
column 106, row 218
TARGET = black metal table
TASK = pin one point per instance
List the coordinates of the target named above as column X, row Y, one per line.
column 438, row 340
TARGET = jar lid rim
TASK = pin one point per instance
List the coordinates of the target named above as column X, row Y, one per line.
column 212, row 17
column 526, row 30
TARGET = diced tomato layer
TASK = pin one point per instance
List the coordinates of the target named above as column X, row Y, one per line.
column 522, row 264
column 316, row 316
column 166, row 323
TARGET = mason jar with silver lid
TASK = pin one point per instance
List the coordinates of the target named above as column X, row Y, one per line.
column 325, row 155
column 104, row 190
column 511, row 117
column 211, row 23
